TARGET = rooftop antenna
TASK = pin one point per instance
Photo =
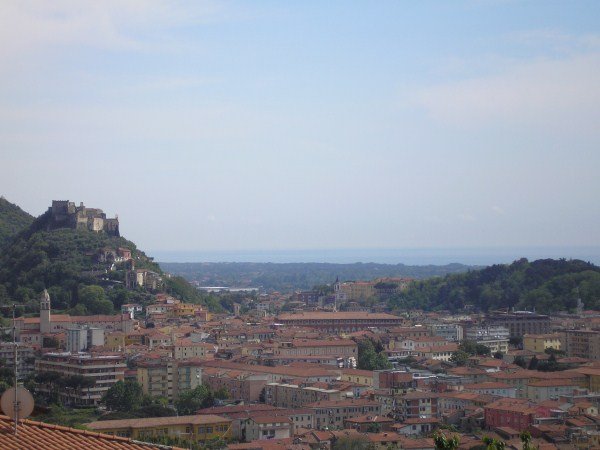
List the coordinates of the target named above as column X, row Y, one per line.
column 16, row 402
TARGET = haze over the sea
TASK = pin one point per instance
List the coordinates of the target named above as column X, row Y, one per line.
column 408, row 256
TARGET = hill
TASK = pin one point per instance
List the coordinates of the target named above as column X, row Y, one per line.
column 287, row 277
column 547, row 285
column 65, row 260
column 12, row 220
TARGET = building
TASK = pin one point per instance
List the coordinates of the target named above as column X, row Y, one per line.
column 538, row 343
column 104, row 369
column 521, row 322
column 187, row 349
column 64, row 214
column 582, row 344
column 369, row 424
column 338, row 322
column 167, row 378
column 518, row 414
column 25, row 358
column 364, row 377
column 451, row 332
column 268, row 427
column 342, row 348
column 543, row 390
column 423, row 404
column 294, row 396
column 84, row 338
column 240, row 385
column 30, row 330
column 332, row 414
column 496, row 337
column 196, row 428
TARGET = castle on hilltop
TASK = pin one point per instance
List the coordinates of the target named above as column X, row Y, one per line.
column 64, row 214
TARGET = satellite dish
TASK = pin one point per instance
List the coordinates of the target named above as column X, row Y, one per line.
column 24, row 406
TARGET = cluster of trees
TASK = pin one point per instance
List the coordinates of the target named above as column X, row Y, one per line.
column 466, row 349
column 547, row 285
column 12, row 221
column 371, row 355
column 125, row 399
column 54, row 383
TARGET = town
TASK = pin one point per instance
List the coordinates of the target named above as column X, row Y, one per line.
column 318, row 370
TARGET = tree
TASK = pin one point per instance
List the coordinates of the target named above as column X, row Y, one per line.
column 533, row 363
column 369, row 358
column 222, row 393
column 474, row 349
column 442, row 442
column 94, row 299
column 525, row 437
column 493, row 444
column 459, row 358
column 123, row 396
column 191, row 401
column 520, row 361
column 498, row 355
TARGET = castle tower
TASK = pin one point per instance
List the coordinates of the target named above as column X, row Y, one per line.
column 45, row 320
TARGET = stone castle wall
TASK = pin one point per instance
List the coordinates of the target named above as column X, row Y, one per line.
column 64, row 214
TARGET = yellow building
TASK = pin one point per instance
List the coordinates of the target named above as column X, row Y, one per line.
column 364, row 377
column 538, row 343
column 186, row 349
column 185, row 309
column 115, row 341
column 197, row 428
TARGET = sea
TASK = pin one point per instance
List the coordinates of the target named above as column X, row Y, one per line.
column 480, row 256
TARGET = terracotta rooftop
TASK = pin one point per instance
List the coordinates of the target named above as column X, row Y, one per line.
column 37, row 435
column 345, row 315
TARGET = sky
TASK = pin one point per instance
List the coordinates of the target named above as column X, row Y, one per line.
column 226, row 125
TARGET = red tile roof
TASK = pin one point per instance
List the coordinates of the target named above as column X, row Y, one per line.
column 37, row 435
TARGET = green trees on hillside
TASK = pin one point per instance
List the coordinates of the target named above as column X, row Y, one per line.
column 12, row 220
column 547, row 285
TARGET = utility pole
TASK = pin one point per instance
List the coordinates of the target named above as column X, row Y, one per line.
column 15, row 366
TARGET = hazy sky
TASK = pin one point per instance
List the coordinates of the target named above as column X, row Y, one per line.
column 308, row 124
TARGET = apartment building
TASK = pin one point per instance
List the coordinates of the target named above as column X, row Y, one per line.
column 104, row 369
column 521, row 322
column 167, row 378
column 294, row 396
column 25, row 358
column 332, row 414
column 583, row 344
column 196, row 428
column 538, row 343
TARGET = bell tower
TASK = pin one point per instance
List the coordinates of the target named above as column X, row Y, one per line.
column 45, row 325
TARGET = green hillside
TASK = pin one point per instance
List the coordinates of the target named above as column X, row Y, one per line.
column 65, row 261
column 12, row 220
column 547, row 285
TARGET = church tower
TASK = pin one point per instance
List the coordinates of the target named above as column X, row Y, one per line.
column 45, row 325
